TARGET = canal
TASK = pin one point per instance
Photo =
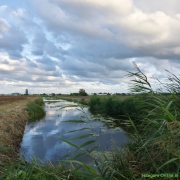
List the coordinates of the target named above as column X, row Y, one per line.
column 43, row 138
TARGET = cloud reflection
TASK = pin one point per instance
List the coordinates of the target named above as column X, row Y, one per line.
column 43, row 138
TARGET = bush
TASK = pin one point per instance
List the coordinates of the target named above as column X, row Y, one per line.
column 39, row 101
column 35, row 109
column 132, row 107
column 83, row 101
column 95, row 103
column 111, row 106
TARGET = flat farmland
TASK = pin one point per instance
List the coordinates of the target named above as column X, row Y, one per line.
column 8, row 102
column 9, row 99
column 87, row 98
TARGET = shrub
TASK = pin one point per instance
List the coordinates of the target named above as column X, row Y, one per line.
column 95, row 103
column 111, row 106
column 35, row 109
column 39, row 101
column 133, row 108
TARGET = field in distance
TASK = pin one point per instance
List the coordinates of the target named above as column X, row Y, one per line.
column 87, row 98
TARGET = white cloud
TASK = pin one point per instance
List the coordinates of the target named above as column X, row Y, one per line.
column 3, row 26
column 117, row 20
column 19, row 13
column 151, row 28
column 65, row 45
column 116, row 6
column 3, row 8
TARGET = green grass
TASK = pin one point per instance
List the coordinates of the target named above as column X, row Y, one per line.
column 35, row 109
column 23, row 170
column 39, row 101
column 154, row 121
column 132, row 107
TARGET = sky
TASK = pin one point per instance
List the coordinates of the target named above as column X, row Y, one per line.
column 61, row 46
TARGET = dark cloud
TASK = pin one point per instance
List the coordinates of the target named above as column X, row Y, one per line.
column 12, row 42
column 4, row 62
column 46, row 64
column 42, row 46
column 78, row 43
column 31, row 64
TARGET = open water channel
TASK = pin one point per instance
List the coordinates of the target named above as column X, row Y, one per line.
column 42, row 138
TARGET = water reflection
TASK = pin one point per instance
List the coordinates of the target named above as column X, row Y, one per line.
column 42, row 138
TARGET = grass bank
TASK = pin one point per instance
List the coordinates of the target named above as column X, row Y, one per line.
column 35, row 109
column 13, row 118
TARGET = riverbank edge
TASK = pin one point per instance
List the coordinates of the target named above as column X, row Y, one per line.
column 13, row 123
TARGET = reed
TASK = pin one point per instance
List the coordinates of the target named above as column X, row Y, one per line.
column 154, row 121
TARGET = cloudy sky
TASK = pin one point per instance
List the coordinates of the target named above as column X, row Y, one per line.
column 61, row 46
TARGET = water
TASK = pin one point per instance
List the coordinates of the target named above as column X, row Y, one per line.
column 42, row 138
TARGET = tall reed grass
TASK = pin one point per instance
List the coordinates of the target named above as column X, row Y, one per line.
column 132, row 107
column 154, row 121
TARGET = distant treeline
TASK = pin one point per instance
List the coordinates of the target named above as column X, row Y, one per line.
column 86, row 94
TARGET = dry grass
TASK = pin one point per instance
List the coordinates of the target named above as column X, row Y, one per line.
column 10, row 99
column 13, row 118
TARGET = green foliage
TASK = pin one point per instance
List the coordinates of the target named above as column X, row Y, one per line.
column 83, row 101
column 140, row 83
column 174, row 83
column 82, row 92
column 35, row 109
column 95, row 103
column 34, row 171
column 39, row 101
column 111, row 106
column 154, row 149
column 74, row 94
column 132, row 107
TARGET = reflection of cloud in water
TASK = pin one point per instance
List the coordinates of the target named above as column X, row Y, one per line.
column 38, row 146
column 52, row 132
column 70, row 112
column 51, row 113
column 43, row 138
column 57, row 122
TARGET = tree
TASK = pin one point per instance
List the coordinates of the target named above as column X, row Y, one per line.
column 82, row 92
